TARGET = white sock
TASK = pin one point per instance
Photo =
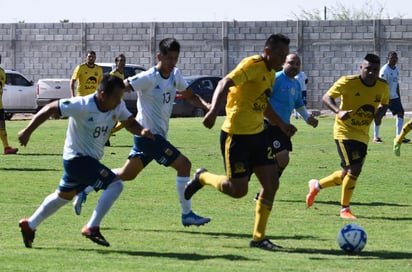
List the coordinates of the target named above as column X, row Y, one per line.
column 376, row 131
column 49, row 206
column 399, row 125
column 186, row 205
column 105, row 202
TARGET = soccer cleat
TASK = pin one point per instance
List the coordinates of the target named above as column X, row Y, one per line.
column 345, row 213
column 405, row 141
column 265, row 244
column 396, row 148
column 377, row 140
column 10, row 150
column 313, row 191
column 194, row 184
column 94, row 234
column 26, row 232
column 79, row 199
column 193, row 219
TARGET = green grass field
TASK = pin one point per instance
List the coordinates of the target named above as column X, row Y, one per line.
column 144, row 226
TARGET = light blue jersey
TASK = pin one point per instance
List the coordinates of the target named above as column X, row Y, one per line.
column 89, row 127
column 286, row 96
column 156, row 96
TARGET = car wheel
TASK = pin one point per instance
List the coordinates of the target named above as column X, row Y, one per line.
column 8, row 115
column 198, row 112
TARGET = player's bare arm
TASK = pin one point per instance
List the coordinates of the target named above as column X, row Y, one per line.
column 380, row 112
column 128, row 86
column 50, row 109
column 136, row 128
column 219, row 95
column 72, row 87
column 331, row 104
column 195, row 99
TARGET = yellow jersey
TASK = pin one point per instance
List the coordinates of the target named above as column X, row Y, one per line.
column 88, row 79
column 2, row 83
column 248, row 99
column 363, row 101
column 117, row 73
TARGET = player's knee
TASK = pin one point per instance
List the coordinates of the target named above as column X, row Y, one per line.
column 66, row 195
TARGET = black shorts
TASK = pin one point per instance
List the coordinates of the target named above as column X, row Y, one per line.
column 241, row 153
column 278, row 139
column 351, row 152
column 2, row 115
column 395, row 106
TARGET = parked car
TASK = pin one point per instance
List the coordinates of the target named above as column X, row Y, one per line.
column 19, row 94
column 129, row 70
column 50, row 89
column 201, row 85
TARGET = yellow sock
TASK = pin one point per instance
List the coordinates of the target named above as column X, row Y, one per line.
column 117, row 127
column 332, row 180
column 213, row 180
column 263, row 208
column 405, row 130
column 3, row 136
column 348, row 186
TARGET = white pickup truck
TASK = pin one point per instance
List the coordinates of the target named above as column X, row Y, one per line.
column 19, row 94
column 48, row 89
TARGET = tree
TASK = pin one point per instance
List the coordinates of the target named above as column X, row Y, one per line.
column 339, row 11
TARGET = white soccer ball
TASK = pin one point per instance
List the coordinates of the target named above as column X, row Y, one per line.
column 352, row 238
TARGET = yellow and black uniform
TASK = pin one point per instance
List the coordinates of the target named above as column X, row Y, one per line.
column 248, row 99
column 88, row 78
column 352, row 135
column 243, row 141
column 363, row 101
column 116, row 72
column 2, row 83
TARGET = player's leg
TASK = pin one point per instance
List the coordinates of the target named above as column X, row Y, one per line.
column 3, row 135
column 65, row 192
column 355, row 157
column 398, row 140
column 101, row 177
column 268, row 178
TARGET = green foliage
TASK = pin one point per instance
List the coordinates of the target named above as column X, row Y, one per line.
column 341, row 11
column 144, row 226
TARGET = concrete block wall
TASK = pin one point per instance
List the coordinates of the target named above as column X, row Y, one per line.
column 329, row 49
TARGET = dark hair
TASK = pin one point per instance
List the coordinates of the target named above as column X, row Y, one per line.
column 276, row 39
column 391, row 53
column 168, row 44
column 91, row 52
column 119, row 57
column 109, row 83
column 372, row 58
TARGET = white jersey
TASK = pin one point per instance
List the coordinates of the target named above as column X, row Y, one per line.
column 392, row 77
column 89, row 127
column 156, row 96
column 302, row 79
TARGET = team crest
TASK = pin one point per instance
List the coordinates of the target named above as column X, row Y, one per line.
column 239, row 168
column 276, row 144
column 168, row 152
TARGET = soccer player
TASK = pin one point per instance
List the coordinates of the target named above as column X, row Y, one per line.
column 156, row 89
column 88, row 75
column 3, row 134
column 244, row 144
column 90, row 120
column 390, row 73
column 285, row 97
column 363, row 98
column 401, row 137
